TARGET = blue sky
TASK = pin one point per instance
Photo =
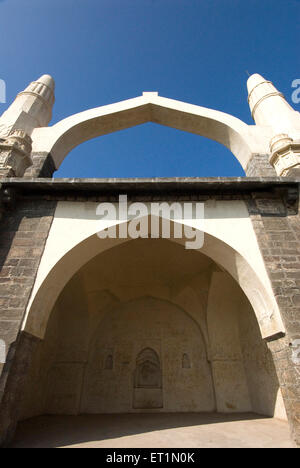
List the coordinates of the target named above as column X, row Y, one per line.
column 104, row 51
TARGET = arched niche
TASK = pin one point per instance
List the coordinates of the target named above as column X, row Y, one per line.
column 186, row 363
column 148, row 370
column 147, row 392
column 109, row 362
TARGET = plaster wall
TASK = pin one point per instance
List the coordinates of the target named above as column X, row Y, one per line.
column 227, row 362
column 259, row 367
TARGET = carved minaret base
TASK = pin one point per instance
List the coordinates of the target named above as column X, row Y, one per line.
column 285, row 155
column 15, row 153
column 269, row 108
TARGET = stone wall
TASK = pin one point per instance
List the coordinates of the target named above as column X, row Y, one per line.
column 23, row 234
column 277, row 226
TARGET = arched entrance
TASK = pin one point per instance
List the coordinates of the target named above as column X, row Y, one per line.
column 147, row 326
column 233, row 250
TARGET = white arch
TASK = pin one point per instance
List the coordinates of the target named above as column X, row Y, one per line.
column 44, row 298
column 241, row 139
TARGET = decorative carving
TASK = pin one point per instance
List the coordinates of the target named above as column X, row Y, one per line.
column 15, row 152
column 285, row 155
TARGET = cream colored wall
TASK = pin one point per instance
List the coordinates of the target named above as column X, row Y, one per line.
column 244, row 373
column 258, row 363
column 125, row 332
column 223, row 310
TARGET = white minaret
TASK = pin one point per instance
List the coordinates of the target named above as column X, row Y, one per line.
column 31, row 109
column 270, row 109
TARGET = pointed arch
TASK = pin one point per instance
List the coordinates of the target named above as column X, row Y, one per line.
column 148, row 369
column 241, row 139
column 45, row 295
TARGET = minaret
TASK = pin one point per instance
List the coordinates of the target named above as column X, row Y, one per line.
column 270, row 109
column 31, row 109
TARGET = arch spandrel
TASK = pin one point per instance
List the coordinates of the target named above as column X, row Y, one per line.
column 241, row 139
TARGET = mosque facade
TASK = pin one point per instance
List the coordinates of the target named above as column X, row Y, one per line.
column 149, row 295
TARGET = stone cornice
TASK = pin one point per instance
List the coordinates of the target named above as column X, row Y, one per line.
column 157, row 188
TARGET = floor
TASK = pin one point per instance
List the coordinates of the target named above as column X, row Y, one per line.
column 171, row 430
